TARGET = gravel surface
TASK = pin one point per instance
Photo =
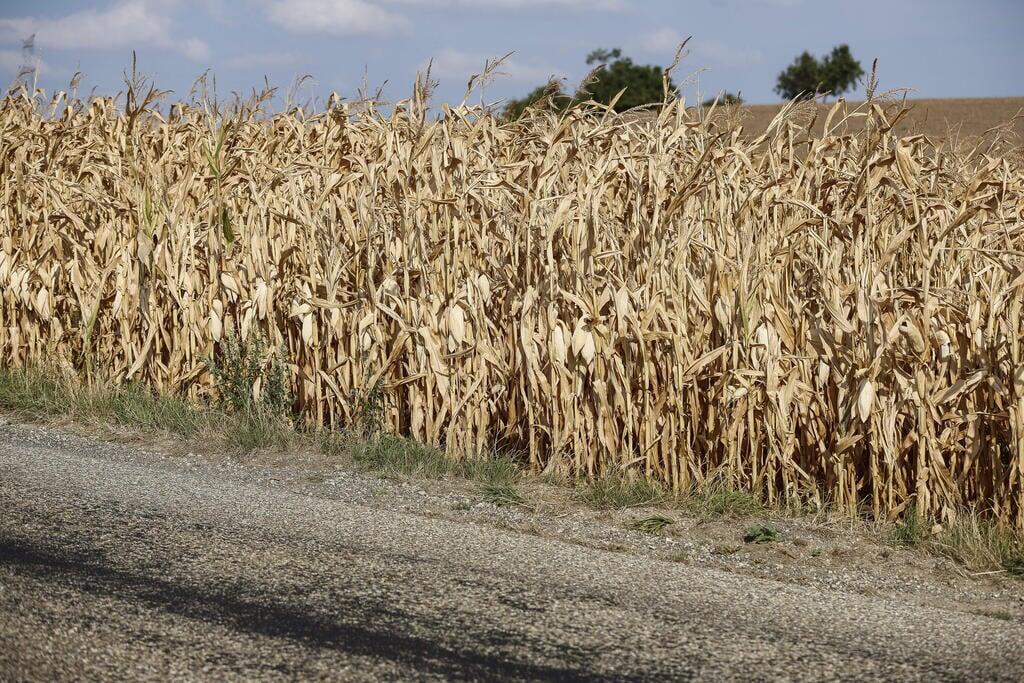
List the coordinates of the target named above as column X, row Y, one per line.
column 121, row 563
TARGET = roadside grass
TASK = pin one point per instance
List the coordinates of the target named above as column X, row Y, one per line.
column 33, row 394
column 621, row 492
column 979, row 545
column 256, row 431
column 40, row 394
column 495, row 468
column 652, row 525
column 971, row 541
column 139, row 408
column 501, row 495
column 718, row 501
column 617, row 492
column 334, row 443
column 397, row 457
column 909, row 531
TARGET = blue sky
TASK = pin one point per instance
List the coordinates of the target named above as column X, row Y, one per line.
column 941, row 48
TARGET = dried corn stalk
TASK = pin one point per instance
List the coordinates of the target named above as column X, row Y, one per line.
column 835, row 319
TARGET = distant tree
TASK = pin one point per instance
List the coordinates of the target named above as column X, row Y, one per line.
column 807, row 76
column 602, row 56
column 724, row 98
column 553, row 91
column 840, row 70
column 642, row 84
column 802, row 78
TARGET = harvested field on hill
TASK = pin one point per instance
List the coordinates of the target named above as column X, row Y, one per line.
column 835, row 321
column 966, row 119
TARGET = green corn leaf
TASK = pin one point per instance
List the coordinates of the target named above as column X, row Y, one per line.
column 225, row 224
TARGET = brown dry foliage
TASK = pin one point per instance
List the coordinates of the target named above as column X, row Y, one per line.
column 835, row 319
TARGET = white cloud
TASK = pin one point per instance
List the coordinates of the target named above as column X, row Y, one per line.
column 731, row 56
column 665, row 41
column 257, row 60
column 770, row 3
column 11, row 62
column 334, row 16
column 342, row 17
column 603, row 5
column 458, row 65
column 194, row 49
column 124, row 24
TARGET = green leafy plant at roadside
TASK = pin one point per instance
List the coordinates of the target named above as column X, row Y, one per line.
column 368, row 421
column 250, row 379
column 760, row 533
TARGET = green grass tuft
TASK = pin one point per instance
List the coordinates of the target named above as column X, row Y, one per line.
column 654, row 524
column 717, row 502
column 333, row 443
column 980, row 545
column 496, row 469
column 613, row 492
column 502, row 495
column 396, row 457
column 258, row 431
column 33, row 393
column 910, row 531
column 138, row 407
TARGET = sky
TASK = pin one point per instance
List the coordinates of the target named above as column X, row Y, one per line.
column 939, row 48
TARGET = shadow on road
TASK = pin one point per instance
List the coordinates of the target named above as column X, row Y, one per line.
column 228, row 606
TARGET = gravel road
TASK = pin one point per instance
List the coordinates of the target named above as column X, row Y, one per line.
column 121, row 564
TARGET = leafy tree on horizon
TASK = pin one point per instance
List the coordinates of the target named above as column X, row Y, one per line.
column 515, row 108
column 723, row 98
column 808, row 76
column 642, row 84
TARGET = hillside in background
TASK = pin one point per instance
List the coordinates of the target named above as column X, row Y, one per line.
column 936, row 118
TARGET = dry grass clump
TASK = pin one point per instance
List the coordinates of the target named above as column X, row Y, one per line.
column 838, row 315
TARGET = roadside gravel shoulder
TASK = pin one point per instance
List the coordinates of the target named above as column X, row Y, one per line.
column 126, row 561
column 812, row 551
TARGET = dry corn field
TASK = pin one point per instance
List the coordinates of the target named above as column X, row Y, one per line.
column 835, row 320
